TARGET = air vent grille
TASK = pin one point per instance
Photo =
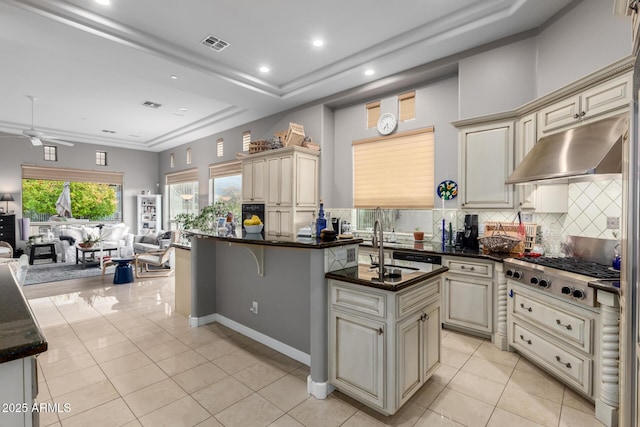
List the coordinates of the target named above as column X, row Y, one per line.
column 151, row 104
column 215, row 43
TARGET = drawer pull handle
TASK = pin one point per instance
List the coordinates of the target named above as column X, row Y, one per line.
column 567, row 364
column 472, row 268
column 424, row 317
column 529, row 309
column 380, row 331
column 527, row 341
column 566, row 326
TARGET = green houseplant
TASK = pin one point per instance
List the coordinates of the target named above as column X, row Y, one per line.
column 418, row 235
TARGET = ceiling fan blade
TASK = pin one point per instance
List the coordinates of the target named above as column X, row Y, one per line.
column 35, row 141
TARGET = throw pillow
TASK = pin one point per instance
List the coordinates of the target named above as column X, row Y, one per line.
column 150, row 238
column 74, row 233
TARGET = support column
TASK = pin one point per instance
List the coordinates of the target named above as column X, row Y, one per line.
column 500, row 335
column 608, row 400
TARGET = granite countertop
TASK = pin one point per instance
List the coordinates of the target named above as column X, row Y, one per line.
column 429, row 248
column 362, row 275
column 20, row 334
column 612, row 286
column 290, row 242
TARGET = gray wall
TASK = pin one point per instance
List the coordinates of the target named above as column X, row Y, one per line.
column 140, row 169
column 498, row 80
column 436, row 105
column 585, row 39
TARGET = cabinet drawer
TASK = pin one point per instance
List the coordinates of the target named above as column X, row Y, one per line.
column 415, row 299
column 572, row 328
column 358, row 301
column 470, row 268
column 572, row 367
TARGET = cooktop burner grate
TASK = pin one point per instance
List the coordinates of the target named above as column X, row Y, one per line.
column 577, row 266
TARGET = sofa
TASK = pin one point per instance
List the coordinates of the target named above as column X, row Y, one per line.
column 112, row 235
column 152, row 241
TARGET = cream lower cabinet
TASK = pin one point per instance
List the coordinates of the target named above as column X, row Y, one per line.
column 468, row 295
column 383, row 345
column 19, row 379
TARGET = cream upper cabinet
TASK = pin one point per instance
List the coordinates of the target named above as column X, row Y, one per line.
column 592, row 102
column 306, row 180
column 280, row 191
column 540, row 197
column 486, row 160
column 253, row 180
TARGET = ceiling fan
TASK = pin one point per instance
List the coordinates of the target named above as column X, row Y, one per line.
column 35, row 136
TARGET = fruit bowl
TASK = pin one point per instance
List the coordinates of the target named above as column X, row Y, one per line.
column 254, row 228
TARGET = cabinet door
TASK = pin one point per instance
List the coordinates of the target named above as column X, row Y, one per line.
column 272, row 225
column 431, row 327
column 306, row 181
column 247, row 181
column 486, row 162
column 357, row 356
column 468, row 303
column 286, row 222
column 410, row 356
column 259, row 178
column 606, row 97
column 562, row 113
column 286, row 180
column 525, row 140
column 273, row 188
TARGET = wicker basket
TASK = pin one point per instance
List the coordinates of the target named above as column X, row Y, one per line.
column 295, row 135
column 499, row 241
column 259, row 146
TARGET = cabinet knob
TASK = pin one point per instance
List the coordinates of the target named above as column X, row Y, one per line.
column 567, row 364
column 380, row 331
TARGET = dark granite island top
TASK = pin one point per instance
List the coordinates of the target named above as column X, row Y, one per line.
column 436, row 249
column 362, row 275
column 289, row 242
column 20, row 334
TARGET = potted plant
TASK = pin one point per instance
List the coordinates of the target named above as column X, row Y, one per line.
column 418, row 235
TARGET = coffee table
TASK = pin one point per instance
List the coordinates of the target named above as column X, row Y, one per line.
column 42, row 251
column 91, row 251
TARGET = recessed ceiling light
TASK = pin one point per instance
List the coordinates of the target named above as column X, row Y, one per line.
column 264, row 69
column 104, row 2
column 369, row 72
column 318, row 43
column 182, row 109
column 173, row 77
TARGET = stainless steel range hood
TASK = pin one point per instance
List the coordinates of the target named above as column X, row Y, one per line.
column 591, row 149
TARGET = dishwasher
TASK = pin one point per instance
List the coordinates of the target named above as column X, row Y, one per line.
column 416, row 261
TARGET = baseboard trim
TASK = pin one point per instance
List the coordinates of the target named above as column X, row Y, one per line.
column 319, row 390
column 194, row 322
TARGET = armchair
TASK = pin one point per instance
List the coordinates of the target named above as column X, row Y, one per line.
column 154, row 258
column 7, row 252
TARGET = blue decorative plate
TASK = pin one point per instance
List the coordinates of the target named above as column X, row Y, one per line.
column 447, row 190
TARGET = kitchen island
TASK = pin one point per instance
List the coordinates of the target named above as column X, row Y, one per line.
column 20, row 341
column 274, row 291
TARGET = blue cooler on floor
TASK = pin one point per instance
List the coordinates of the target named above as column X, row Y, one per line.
column 123, row 273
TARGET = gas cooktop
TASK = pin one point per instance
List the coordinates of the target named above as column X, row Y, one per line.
column 576, row 266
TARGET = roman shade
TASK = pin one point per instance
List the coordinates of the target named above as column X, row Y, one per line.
column 219, row 170
column 72, row 175
column 407, row 106
column 190, row 175
column 373, row 114
column 395, row 171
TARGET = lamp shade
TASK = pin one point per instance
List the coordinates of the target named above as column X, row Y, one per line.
column 7, row 197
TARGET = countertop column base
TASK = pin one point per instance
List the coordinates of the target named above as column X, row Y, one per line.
column 319, row 390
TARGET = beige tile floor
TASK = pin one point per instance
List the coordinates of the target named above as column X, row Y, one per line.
column 120, row 356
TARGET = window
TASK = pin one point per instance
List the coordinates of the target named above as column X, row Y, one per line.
column 246, row 140
column 395, row 172
column 225, row 185
column 220, row 148
column 407, row 106
column 188, row 156
column 172, row 160
column 50, row 153
column 373, row 114
column 95, row 195
column 182, row 191
column 101, row 158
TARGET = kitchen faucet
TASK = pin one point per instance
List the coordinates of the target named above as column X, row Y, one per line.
column 378, row 243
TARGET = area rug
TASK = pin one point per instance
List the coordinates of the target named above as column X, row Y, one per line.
column 54, row 272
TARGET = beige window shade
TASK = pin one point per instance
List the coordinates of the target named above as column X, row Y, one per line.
column 74, row 175
column 394, row 172
column 246, row 140
column 220, row 147
column 230, row 168
column 373, row 114
column 190, row 175
column 407, row 106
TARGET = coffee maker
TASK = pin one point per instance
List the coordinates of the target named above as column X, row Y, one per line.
column 470, row 233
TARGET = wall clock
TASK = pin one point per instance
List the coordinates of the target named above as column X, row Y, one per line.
column 387, row 123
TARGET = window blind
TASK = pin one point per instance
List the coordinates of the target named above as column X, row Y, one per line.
column 74, row 175
column 373, row 114
column 395, row 171
column 246, row 140
column 407, row 106
column 218, row 170
column 190, row 175
column 220, row 147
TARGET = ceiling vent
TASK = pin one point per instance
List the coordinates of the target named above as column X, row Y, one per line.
column 215, row 43
column 151, row 104
column 108, row 131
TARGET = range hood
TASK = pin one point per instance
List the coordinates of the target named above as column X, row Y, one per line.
column 591, row 149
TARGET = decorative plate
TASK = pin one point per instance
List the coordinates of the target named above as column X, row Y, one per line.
column 447, row 190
